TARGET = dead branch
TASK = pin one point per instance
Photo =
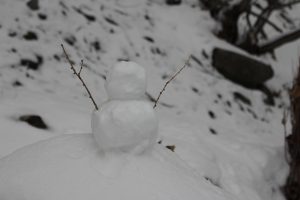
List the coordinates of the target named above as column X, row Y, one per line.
column 78, row 74
column 164, row 88
column 284, row 122
column 284, row 5
column 285, row 38
column 274, row 26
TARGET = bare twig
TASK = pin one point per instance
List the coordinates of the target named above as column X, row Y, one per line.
column 79, row 76
column 283, row 122
column 274, row 26
column 164, row 88
column 81, row 66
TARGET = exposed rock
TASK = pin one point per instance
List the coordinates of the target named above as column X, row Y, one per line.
column 241, row 98
column 33, row 4
column 30, row 35
column 241, row 69
column 31, row 64
column 34, row 120
column 173, row 2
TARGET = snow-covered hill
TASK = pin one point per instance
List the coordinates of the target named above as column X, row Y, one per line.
column 237, row 147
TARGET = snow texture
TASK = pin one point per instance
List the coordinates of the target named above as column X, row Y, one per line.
column 125, row 122
column 126, row 81
column 237, row 147
column 71, row 167
column 125, row 126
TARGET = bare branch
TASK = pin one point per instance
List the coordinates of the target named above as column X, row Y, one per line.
column 267, row 21
column 78, row 75
column 283, row 39
column 164, row 88
column 289, row 4
column 81, row 66
column 284, row 122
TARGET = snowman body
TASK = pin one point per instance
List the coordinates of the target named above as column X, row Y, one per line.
column 126, row 122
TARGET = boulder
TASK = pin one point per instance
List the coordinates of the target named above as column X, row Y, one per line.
column 241, row 69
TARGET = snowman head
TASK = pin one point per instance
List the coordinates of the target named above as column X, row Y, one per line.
column 126, row 81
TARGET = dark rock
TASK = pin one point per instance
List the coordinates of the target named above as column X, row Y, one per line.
column 88, row 17
column 96, row 45
column 111, row 21
column 42, row 16
column 12, row 34
column 17, row 83
column 240, row 97
column 70, row 39
column 213, row 131
column 30, row 35
column 173, row 2
column 241, row 69
column 56, row 57
column 270, row 95
column 228, row 103
column 33, row 4
column 30, row 64
column 149, row 39
column 171, row 147
column 195, row 90
column 34, row 120
column 204, row 54
column 211, row 114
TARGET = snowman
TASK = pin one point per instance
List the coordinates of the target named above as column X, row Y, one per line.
column 126, row 122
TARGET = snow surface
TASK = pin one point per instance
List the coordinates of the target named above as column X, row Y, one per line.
column 237, row 147
column 125, row 122
column 126, row 81
column 71, row 167
column 121, row 125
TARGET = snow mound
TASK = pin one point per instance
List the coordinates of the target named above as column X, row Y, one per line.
column 126, row 80
column 71, row 167
column 125, row 126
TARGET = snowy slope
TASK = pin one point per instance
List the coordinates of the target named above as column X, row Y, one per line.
column 236, row 146
column 70, row 167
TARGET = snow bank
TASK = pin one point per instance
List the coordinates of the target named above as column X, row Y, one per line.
column 71, row 167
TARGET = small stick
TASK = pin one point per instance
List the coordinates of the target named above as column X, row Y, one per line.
column 164, row 88
column 283, row 122
column 79, row 76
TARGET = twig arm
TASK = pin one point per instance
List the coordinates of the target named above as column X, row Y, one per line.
column 166, row 84
column 79, row 76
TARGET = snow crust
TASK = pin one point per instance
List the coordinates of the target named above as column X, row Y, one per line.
column 71, row 167
column 125, row 125
column 126, row 80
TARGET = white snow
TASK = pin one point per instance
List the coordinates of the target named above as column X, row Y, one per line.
column 126, row 81
column 125, row 122
column 71, row 167
column 239, row 151
column 125, row 126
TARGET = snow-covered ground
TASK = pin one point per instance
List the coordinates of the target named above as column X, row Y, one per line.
column 234, row 147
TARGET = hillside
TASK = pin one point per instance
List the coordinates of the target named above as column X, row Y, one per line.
column 237, row 146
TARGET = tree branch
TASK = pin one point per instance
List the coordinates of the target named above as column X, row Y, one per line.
column 270, row 46
column 79, row 76
column 274, row 26
column 164, row 88
column 291, row 3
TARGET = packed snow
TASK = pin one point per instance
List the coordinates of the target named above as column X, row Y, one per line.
column 223, row 148
column 125, row 122
column 126, row 81
column 71, row 167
